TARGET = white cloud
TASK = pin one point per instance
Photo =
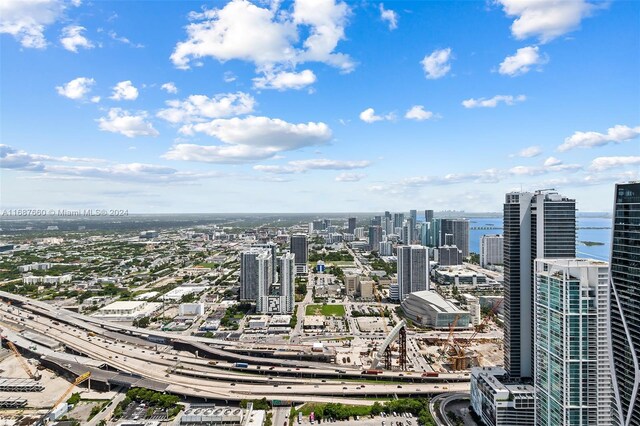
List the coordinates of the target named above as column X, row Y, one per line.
column 522, row 61
column 200, row 107
column 285, row 80
column 127, row 124
column 77, row 88
column 14, row 159
column 124, row 90
column 350, row 177
column 72, row 38
column 531, row 151
column 389, row 16
column 436, row 65
column 615, row 134
column 121, row 39
column 605, row 163
column 248, row 139
column 552, row 161
column 301, row 166
column 228, row 77
column 417, row 112
column 369, row 116
column 267, row 37
column 169, row 87
column 545, row 19
column 26, row 20
column 493, row 102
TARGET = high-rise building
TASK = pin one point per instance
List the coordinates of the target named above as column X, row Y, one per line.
column 413, row 270
column 300, row 248
column 428, row 216
column 491, row 248
column 256, row 276
column 359, row 233
column 572, row 374
column 398, row 220
column 408, row 230
column 272, row 247
column 459, row 228
column 386, row 248
column 351, row 284
column 375, row 236
column 536, row 225
column 352, row 225
column 376, row 221
column 625, row 303
column 413, row 214
column 287, row 282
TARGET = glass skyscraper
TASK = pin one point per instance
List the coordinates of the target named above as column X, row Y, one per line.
column 625, row 303
column 536, row 225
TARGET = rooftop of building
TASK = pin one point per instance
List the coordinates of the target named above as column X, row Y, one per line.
column 437, row 302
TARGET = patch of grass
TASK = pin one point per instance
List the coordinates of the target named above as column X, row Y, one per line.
column 326, row 310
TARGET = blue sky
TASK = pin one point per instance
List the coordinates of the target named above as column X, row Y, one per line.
column 315, row 105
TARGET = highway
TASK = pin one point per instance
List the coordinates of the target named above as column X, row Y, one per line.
column 184, row 374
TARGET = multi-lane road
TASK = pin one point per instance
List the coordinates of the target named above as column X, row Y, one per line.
column 185, row 374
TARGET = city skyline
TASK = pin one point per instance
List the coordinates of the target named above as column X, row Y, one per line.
column 365, row 105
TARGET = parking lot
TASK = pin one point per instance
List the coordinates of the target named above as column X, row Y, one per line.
column 387, row 420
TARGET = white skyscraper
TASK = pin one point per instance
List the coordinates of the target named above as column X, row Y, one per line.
column 287, row 282
column 572, row 363
column 491, row 247
column 413, row 270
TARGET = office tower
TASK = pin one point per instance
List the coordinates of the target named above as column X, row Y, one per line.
column 413, row 270
column 625, row 303
column 272, row 247
column 398, row 220
column 318, row 225
column 287, row 282
column 352, row 225
column 413, row 214
column 428, row 216
column 375, row 237
column 255, row 273
column 376, row 221
column 300, row 248
column 434, row 233
column 572, row 365
column 536, row 225
column 387, row 226
column 326, row 222
column 448, row 256
column 491, row 247
column 359, row 233
column 387, row 215
column 424, row 233
column 386, row 248
column 351, row 284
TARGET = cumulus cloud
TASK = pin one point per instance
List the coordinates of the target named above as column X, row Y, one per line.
column 128, row 124
column 522, row 61
column 198, row 108
column 169, row 87
column 545, row 19
column 493, row 102
column 285, row 80
column 26, row 20
column 417, row 112
column 369, row 116
column 77, row 88
column 528, row 152
column 124, row 90
column 269, row 37
column 615, row 134
column 248, row 139
column 606, row 163
column 552, row 161
column 350, row 177
column 389, row 16
column 301, row 166
column 72, row 38
column 436, row 65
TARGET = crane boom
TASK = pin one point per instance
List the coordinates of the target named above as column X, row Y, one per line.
column 80, row 379
column 21, row 360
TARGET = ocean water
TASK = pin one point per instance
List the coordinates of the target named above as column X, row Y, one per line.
column 600, row 252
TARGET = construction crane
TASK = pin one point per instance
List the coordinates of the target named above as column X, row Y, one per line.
column 483, row 324
column 21, row 360
column 447, row 342
column 80, row 379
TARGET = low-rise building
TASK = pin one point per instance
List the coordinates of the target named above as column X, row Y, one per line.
column 429, row 309
column 458, row 275
column 126, row 310
column 499, row 402
column 191, row 309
